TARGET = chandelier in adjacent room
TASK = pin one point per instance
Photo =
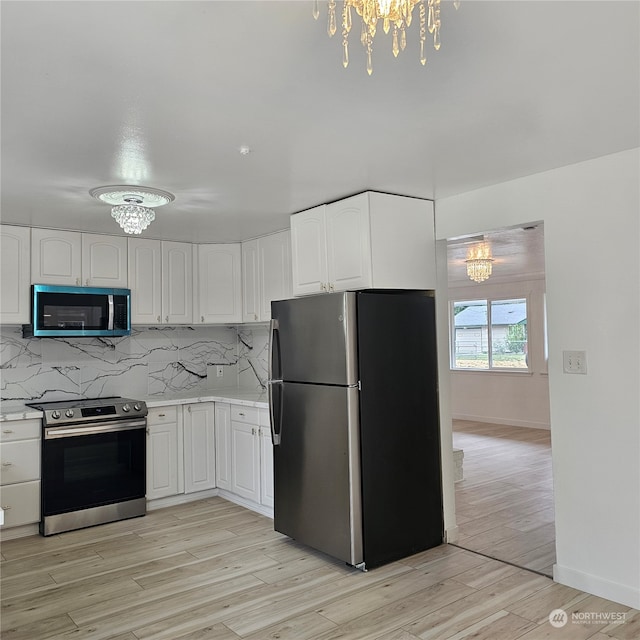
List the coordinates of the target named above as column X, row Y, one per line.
column 479, row 262
column 394, row 15
column 133, row 205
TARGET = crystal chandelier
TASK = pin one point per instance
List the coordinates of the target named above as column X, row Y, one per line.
column 133, row 217
column 133, row 205
column 395, row 16
column 479, row 262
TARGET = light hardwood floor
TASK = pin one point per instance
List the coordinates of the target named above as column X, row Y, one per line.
column 504, row 505
column 211, row 570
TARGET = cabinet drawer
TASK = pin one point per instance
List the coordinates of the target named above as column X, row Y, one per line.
column 249, row 415
column 162, row 415
column 19, row 461
column 20, row 430
column 21, row 503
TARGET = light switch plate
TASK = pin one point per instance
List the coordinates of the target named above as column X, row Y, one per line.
column 574, row 362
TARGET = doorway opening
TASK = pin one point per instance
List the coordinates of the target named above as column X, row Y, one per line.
column 500, row 399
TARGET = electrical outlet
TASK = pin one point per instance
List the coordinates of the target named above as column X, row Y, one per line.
column 219, row 371
column 574, row 362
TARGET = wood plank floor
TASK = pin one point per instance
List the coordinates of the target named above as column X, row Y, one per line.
column 504, row 505
column 211, row 570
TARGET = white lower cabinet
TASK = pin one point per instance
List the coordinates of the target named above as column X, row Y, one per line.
column 245, row 452
column 223, row 445
column 266, row 460
column 203, row 447
column 163, row 451
column 20, row 472
column 199, row 447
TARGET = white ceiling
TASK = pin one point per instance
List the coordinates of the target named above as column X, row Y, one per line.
column 164, row 93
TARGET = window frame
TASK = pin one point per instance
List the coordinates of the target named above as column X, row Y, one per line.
column 488, row 300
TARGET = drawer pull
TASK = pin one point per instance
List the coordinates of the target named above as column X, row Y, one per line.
column 8, row 431
column 7, row 464
column 240, row 413
column 6, row 508
column 162, row 415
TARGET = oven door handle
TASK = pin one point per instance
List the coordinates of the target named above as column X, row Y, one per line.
column 92, row 429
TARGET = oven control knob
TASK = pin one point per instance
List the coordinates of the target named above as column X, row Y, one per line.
column 136, row 406
column 126, row 408
column 55, row 414
column 69, row 413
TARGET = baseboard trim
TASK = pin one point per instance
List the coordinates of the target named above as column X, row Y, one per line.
column 623, row 594
column 21, row 531
column 451, row 534
column 253, row 506
column 181, row 498
column 512, row 422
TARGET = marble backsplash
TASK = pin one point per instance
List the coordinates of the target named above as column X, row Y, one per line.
column 150, row 362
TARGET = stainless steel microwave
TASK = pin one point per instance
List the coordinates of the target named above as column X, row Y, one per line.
column 80, row 311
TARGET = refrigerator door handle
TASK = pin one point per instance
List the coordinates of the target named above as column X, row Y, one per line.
column 273, row 418
column 274, row 349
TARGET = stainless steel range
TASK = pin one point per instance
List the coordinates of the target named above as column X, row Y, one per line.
column 93, row 462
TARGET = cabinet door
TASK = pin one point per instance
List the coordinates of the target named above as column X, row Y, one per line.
column 309, row 251
column 274, row 268
column 223, row 445
column 21, row 503
column 145, row 281
column 220, row 283
column 177, row 283
column 245, row 460
column 56, row 257
column 15, row 265
column 349, row 244
column 104, row 261
column 266, row 460
column 162, row 460
column 199, row 447
column 250, row 282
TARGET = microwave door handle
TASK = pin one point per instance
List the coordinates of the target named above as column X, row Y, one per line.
column 110, row 324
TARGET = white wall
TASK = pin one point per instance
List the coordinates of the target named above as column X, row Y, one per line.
column 519, row 398
column 589, row 209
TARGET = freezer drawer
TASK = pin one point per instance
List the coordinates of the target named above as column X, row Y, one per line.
column 317, row 470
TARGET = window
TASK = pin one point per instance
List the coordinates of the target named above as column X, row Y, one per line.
column 489, row 334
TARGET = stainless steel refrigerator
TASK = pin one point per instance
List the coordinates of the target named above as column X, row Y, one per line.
column 354, row 418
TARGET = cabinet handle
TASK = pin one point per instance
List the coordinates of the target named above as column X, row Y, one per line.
column 323, row 286
column 7, row 431
column 189, row 409
column 202, row 319
column 6, row 507
column 7, row 464
column 240, row 413
column 161, row 415
column 253, row 431
column 148, row 432
column 166, row 319
column 78, row 281
column 255, row 316
column 331, row 287
column 158, row 318
column 87, row 282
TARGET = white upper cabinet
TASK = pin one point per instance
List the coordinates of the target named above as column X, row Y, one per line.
column 369, row 240
column 56, row 257
column 104, row 261
column 161, row 282
column 266, row 274
column 309, row 251
column 145, row 281
column 15, row 264
column 219, row 283
column 348, row 244
column 177, row 282
column 274, row 253
column 78, row 259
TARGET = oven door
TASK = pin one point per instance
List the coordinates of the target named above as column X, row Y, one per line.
column 92, row 465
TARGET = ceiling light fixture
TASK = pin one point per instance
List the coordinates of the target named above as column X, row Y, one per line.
column 133, row 205
column 395, row 15
column 479, row 262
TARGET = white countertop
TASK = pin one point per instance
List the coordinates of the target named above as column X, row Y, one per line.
column 17, row 409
